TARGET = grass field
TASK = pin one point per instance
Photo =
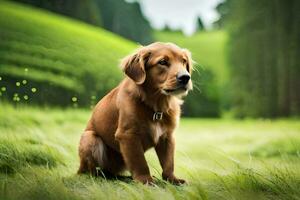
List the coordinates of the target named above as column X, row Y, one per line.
column 221, row 159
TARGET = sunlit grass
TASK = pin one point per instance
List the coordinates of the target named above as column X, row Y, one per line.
column 221, row 159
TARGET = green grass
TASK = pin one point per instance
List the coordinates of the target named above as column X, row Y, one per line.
column 54, row 53
column 221, row 159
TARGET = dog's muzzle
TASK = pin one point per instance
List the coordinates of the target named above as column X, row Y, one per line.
column 183, row 78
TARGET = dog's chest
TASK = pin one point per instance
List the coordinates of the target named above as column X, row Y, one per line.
column 157, row 130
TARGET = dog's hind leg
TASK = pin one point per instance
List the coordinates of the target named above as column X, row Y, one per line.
column 91, row 153
column 114, row 163
column 94, row 153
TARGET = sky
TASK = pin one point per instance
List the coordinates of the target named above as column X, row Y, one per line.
column 180, row 14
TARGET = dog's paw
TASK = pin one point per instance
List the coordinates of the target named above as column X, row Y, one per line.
column 174, row 180
column 145, row 179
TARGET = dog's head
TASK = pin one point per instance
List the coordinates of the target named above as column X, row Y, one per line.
column 162, row 67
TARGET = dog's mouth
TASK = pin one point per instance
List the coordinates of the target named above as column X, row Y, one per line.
column 175, row 91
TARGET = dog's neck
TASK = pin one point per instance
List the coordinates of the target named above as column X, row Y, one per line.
column 157, row 101
column 152, row 98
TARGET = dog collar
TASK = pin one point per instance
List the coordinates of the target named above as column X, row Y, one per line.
column 157, row 116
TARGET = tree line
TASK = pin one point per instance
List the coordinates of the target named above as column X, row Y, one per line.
column 263, row 52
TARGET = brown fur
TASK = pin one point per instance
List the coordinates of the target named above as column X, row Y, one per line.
column 121, row 128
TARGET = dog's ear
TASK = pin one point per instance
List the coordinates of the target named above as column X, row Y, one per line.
column 134, row 65
column 189, row 61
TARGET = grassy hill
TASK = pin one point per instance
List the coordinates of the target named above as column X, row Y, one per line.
column 49, row 58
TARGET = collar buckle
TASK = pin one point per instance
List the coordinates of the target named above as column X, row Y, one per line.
column 157, row 116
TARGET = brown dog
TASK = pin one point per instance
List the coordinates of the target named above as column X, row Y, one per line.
column 142, row 112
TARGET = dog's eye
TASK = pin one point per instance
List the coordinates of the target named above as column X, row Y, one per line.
column 163, row 62
column 184, row 61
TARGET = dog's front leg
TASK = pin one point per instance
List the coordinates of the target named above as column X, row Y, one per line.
column 165, row 152
column 133, row 155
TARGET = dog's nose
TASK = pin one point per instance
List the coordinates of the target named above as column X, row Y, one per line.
column 183, row 77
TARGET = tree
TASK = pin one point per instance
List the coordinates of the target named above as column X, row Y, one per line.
column 263, row 54
column 125, row 19
column 200, row 25
column 223, row 10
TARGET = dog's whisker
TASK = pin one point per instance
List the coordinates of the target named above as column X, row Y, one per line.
column 197, row 88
